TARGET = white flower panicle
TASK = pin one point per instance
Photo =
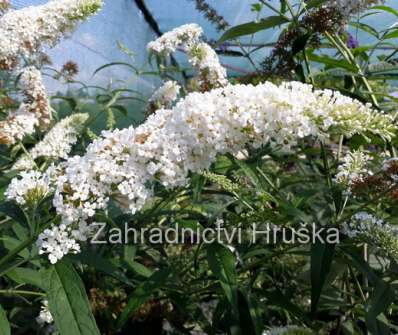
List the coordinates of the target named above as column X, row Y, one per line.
column 205, row 60
column 183, row 36
column 125, row 164
column 45, row 314
column 362, row 223
column 370, row 229
column 34, row 111
column 23, row 32
column 57, row 143
column 351, row 7
column 29, row 187
column 354, row 168
column 201, row 56
column 164, row 96
column 167, row 93
column 36, row 100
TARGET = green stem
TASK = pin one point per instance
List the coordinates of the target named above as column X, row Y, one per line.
column 341, row 139
column 326, row 166
column 307, row 65
column 289, row 6
column 335, row 39
column 357, row 284
column 265, row 3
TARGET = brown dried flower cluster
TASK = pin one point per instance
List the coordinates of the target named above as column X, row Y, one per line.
column 281, row 62
column 383, row 184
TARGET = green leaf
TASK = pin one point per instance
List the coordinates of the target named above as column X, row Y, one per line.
column 4, row 324
column 101, row 264
column 252, row 27
column 393, row 34
column 222, row 263
column 114, row 64
column 250, row 319
column 70, row 100
column 254, row 176
column 300, row 43
column 13, row 211
column 120, row 109
column 67, row 300
column 143, row 293
column 26, row 276
column 321, row 261
column 366, row 28
column 381, row 299
column 386, row 9
column 361, row 265
column 331, row 62
column 277, row 298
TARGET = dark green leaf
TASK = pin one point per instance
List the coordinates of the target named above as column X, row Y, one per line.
column 252, row 27
column 366, row 28
column 67, row 300
column 381, row 299
column 299, row 43
column 222, row 263
column 321, row 261
column 387, row 9
column 13, row 211
column 26, row 276
column 4, row 324
column 101, row 264
column 331, row 62
column 250, row 319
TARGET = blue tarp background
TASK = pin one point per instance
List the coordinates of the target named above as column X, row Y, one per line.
column 94, row 42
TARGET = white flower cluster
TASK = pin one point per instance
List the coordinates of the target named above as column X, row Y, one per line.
column 57, row 143
column 352, row 7
column 36, row 101
column 369, row 228
column 164, row 96
column 45, row 314
column 208, row 309
column 29, row 187
column 125, row 164
column 287, row 330
column 17, row 124
column 23, row 32
column 34, row 111
column 354, row 168
column 205, row 60
column 201, row 55
column 61, row 240
column 362, row 223
column 185, row 35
